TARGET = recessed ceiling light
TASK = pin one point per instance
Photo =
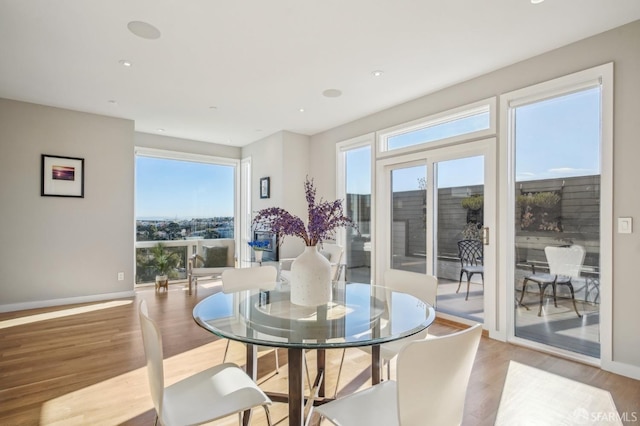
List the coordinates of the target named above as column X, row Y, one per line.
column 161, row 130
column 213, row 107
column 301, row 110
column 377, row 73
column 332, row 93
column 536, row 1
column 144, row 30
column 125, row 63
column 113, row 102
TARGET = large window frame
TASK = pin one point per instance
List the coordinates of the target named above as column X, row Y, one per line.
column 367, row 140
column 602, row 76
column 197, row 158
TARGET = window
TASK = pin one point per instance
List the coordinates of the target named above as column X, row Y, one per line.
column 180, row 199
column 558, row 218
column 450, row 126
column 354, row 186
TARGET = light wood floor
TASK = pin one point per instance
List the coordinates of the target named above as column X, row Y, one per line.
column 84, row 364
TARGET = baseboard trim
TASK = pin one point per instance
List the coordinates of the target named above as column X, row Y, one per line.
column 456, row 324
column 11, row 307
column 627, row 370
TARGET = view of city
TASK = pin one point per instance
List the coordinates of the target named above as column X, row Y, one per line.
column 182, row 229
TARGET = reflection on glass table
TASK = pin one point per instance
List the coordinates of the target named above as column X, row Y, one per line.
column 358, row 315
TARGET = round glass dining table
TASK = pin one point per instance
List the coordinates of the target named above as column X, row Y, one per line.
column 358, row 315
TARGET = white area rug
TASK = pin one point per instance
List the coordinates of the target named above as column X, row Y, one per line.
column 533, row 397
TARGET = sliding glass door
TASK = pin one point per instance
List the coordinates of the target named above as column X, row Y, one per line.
column 436, row 216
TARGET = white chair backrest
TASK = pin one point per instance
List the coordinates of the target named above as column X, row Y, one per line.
column 239, row 279
column 152, row 341
column 333, row 252
column 565, row 261
column 230, row 243
column 424, row 287
column 433, row 375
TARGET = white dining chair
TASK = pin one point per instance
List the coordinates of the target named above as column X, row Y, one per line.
column 433, row 375
column 203, row 397
column 240, row 279
column 423, row 287
column 261, row 277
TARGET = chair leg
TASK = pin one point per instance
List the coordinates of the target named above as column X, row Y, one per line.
column 226, row 349
column 468, row 285
column 524, row 287
column 460, row 281
column 268, row 414
column 542, row 289
column 306, row 368
column 335, row 395
column 388, row 369
column 277, row 362
column 573, row 299
column 555, row 301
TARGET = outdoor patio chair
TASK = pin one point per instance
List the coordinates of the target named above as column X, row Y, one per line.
column 470, row 254
column 212, row 257
column 565, row 263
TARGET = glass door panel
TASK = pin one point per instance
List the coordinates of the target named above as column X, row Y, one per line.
column 429, row 202
column 358, row 208
column 408, row 247
column 459, row 264
column 557, row 221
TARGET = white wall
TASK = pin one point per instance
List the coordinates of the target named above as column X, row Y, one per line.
column 622, row 46
column 60, row 250
column 284, row 158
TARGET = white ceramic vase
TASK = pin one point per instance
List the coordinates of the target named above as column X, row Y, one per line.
column 257, row 255
column 310, row 278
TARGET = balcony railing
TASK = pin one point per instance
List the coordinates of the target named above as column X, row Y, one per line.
column 146, row 272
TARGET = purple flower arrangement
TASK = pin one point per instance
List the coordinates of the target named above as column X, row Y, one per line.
column 324, row 218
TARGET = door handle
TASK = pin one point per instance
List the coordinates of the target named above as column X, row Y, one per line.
column 485, row 236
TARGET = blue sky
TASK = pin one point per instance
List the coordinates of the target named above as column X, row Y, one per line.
column 554, row 138
column 182, row 189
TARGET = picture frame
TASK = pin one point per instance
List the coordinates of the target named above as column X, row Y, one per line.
column 265, row 187
column 62, row 176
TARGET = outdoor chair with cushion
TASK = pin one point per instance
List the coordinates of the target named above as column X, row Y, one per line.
column 565, row 263
column 212, row 257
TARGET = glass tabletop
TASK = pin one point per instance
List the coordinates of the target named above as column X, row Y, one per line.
column 358, row 315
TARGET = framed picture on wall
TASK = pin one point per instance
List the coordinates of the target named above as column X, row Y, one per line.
column 62, row 176
column 264, row 187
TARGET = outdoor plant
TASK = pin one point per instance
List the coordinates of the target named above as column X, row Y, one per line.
column 537, row 211
column 164, row 261
column 324, row 217
column 473, row 202
column 544, row 200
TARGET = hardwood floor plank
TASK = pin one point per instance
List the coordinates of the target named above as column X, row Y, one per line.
column 88, row 368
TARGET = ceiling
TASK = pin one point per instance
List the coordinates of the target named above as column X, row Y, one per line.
column 233, row 72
